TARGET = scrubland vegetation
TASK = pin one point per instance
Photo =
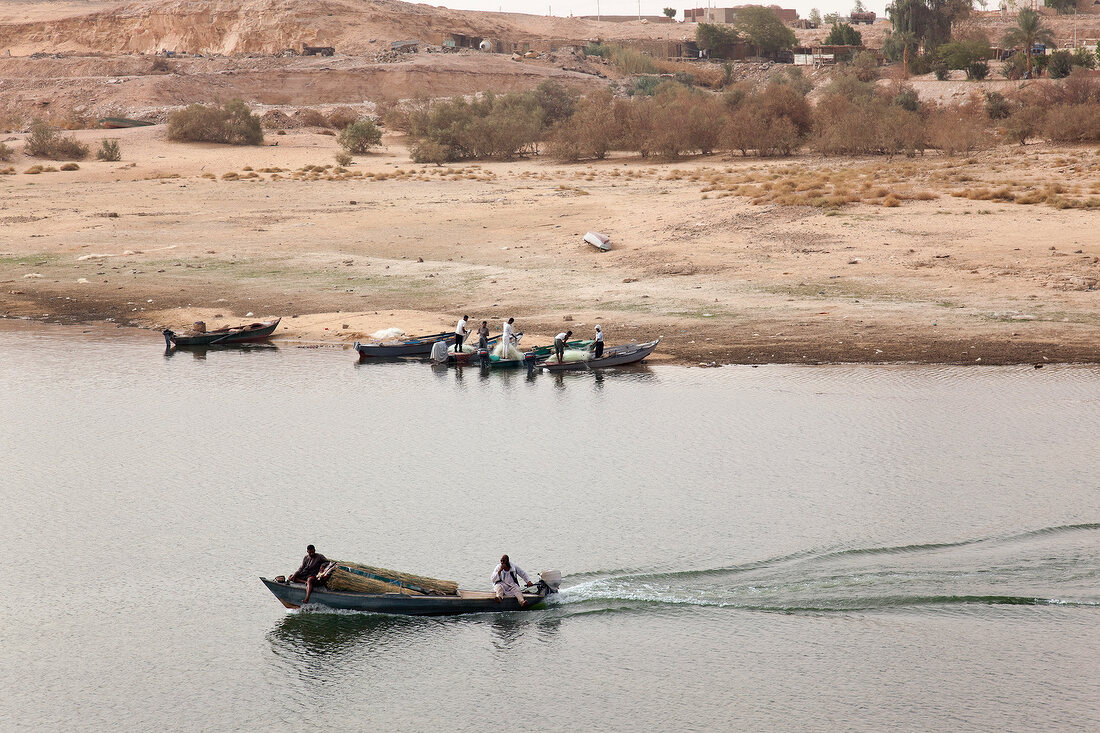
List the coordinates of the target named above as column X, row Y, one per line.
column 232, row 123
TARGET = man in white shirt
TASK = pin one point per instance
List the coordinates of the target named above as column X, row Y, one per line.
column 508, row 337
column 559, row 344
column 505, row 581
column 460, row 333
column 599, row 341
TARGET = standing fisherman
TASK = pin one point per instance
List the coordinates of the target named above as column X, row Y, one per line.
column 599, row 341
column 483, row 335
column 559, row 344
column 507, row 339
column 460, row 334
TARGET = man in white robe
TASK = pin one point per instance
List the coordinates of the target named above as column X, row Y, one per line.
column 505, row 581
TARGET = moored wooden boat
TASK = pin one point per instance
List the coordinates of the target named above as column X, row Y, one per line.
column 292, row 595
column 223, row 336
column 615, row 356
column 413, row 346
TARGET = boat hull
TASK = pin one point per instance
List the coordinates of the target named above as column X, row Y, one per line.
column 226, row 338
column 612, row 358
column 292, row 595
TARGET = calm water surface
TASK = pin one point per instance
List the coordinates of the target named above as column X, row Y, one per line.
column 782, row 548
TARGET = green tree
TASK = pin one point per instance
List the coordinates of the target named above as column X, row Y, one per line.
column 1064, row 7
column 359, row 137
column 1029, row 30
column 929, row 20
column 961, row 54
column 670, row 12
column 764, row 29
column 843, row 34
column 719, row 41
column 815, row 17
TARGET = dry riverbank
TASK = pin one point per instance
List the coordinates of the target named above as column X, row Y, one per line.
column 151, row 242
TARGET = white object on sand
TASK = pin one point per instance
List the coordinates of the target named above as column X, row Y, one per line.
column 599, row 241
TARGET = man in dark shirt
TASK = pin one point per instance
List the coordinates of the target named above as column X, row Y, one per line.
column 307, row 573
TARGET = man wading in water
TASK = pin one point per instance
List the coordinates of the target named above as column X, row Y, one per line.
column 504, row 581
column 307, row 573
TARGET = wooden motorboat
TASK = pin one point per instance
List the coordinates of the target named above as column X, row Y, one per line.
column 223, row 336
column 614, row 356
column 292, row 595
column 413, row 346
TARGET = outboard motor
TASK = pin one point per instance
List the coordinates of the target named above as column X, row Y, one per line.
column 549, row 580
column 529, row 360
column 483, row 357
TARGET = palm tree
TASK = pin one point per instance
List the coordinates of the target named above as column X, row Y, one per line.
column 1029, row 30
column 908, row 40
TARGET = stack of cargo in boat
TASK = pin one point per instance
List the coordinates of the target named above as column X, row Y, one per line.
column 356, row 578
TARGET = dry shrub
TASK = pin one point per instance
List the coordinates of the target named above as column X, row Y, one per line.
column 341, row 117
column 310, row 118
column 589, row 133
column 343, row 158
column 46, row 142
column 6, row 153
column 1073, row 123
column 9, row 171
column 233, row 124
column 109, row 151
column 70, row 167
column 954, row 131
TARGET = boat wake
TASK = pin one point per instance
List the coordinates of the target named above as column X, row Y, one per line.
column 1055, row 566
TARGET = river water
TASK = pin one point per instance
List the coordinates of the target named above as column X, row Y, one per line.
column 780, row 548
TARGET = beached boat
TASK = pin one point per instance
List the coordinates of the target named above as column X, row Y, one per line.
column 614, row 356
column 292, row 595
column 223, row 336
column 413, row 346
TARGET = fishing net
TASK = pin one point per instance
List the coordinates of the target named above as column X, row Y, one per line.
column 387, row 334
column 506, row 352
column 353, row 577
column 570, row 355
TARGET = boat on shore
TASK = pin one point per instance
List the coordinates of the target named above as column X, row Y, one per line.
column 612, row 357
column 225, row 336
column 292, row 595
column 412, row 346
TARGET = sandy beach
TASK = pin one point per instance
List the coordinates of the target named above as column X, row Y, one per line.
column 165, row 238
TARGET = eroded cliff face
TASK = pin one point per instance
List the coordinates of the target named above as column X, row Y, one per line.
column 262, row 26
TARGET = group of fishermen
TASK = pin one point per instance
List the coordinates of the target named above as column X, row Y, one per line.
column 505, row 578
column 508, row 338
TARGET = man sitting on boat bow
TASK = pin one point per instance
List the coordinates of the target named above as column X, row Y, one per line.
column 307, row 573
column 505, row 582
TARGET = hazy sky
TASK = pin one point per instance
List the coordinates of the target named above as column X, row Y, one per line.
column 649, row 7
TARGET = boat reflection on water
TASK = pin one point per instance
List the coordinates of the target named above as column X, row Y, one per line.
column 199, row 352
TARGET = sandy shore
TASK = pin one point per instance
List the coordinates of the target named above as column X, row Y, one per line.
column 150, row 242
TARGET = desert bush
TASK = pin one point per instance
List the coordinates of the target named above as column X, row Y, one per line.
column 341, row 117
column 232, row 124
column 954, row 131
column 1023, row 123
column 793, row 76
column 907, row 98
column 643, row 85
column 977, row 70
column 921, row 64
column 626, row 60
column 941, row 70
column 109, row 150
column 9, row 171
column 47, row 142
column 1084, row 58
column 590, row 132
column 34, row 170
column 635, row 121
column 996, row 106
column 490, row 126
column 1059, row 64
column 161, row 65
column 1014, row 68
column 1073, row 123
column 557, row 102
column 359, row 137
column 70, row 167
column 865, row 66
column 311, row 118
column 860, row 125
column 343, row 158
column 6, row 153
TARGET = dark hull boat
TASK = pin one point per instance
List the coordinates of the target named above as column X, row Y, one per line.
column 292, row 595
column 224, row 336
column 615, row 356
column 415, row 346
